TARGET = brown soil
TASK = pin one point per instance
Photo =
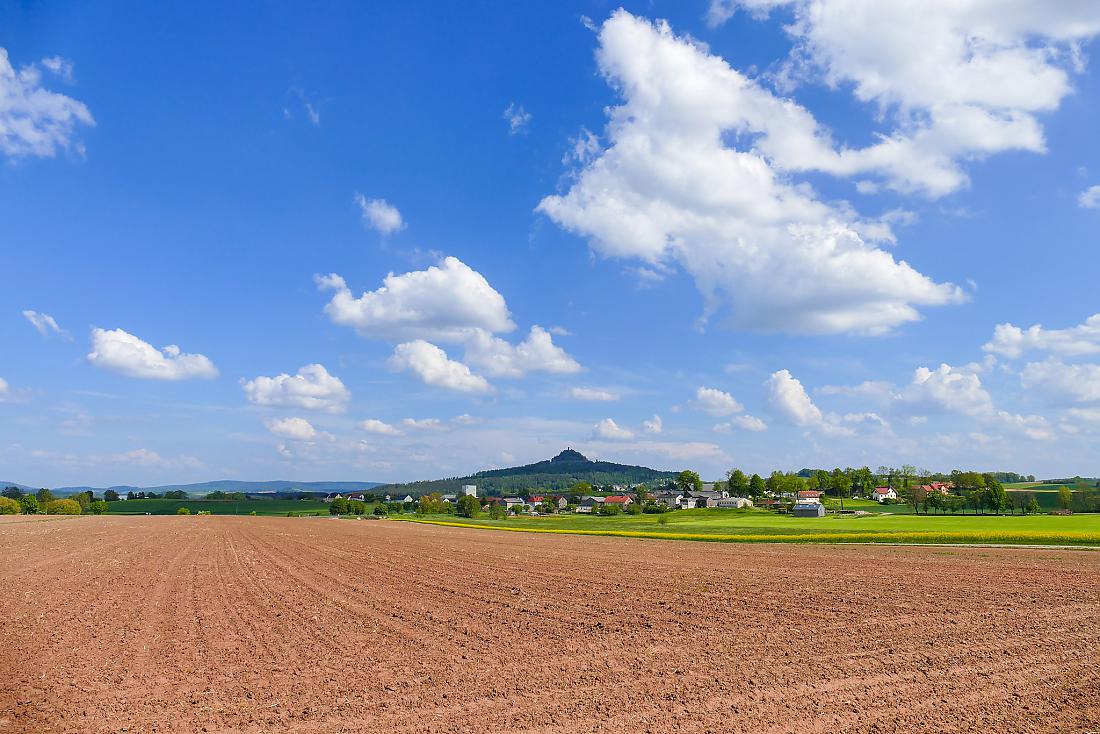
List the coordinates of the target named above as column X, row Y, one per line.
column 219, row 624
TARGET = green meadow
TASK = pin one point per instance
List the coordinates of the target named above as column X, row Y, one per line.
column 760, row 526
column 216, row 507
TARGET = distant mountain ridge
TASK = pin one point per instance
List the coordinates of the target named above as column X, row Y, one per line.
column 226, row 485
column 556, row 474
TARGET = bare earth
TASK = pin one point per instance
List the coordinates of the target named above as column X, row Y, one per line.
column 218, row 624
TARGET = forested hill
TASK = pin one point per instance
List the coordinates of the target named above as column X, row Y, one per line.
column 559, row 473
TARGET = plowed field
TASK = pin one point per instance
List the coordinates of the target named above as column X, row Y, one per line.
column 253, row 624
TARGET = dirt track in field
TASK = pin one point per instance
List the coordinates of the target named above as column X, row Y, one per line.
column 224, row 624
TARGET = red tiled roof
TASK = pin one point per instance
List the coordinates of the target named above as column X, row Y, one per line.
column 617, row 499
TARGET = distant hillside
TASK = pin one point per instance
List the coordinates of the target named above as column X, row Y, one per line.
column 273, row 488
column 559, row 473
column 16, row 484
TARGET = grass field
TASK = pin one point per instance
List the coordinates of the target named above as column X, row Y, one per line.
column 757, row 526
column 217, row 507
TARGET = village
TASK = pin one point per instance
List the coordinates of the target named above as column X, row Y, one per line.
column 634, row 499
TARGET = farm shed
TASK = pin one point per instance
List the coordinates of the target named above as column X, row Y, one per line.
column 814, row 509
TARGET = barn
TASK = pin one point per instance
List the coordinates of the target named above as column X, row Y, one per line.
column 809, row 509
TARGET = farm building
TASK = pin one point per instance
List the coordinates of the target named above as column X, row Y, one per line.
column 809, row 509
column 589, row 504
column 618, row 499
column 884, row 493
column 732, row 502
column 943, row 488
column 669, row 499
column 809, row 497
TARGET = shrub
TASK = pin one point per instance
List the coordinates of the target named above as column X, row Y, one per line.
column 183, row 511
column 8, row 506
column 380, row 510
column 253, row 513
column 662, row 520
column 98, row 507
column 203, row 512
column 654, row 509
column 63, row 507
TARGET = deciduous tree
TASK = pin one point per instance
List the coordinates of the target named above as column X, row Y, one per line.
column 468, row 506
column 688, row 481
column 738, row 483
column 757, row 486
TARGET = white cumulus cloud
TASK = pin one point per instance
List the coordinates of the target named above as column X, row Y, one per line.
column 1059, row 382
column 380, row 215
column 790, row 401
column 447, row 302
column 33, row 120
column 612, row 431
column 1089, row 198
column 536, row 353
column 958, row 80
column 743, row 423
column 716, row 402
column 1012, row 341
column 433, row 367
column 124, row 353
column 654, row 425
column 296, row 429
column 422, row 424
column 672, row 186
column 947, row 389
column 381, row 428
column 312, row 388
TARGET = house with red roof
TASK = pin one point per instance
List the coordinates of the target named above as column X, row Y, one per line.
column 882, row 494
column 809, row 497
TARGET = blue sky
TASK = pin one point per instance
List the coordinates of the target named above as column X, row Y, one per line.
column 419, row 241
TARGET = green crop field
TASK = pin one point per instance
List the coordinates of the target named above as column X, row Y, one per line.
column 758, row 526
column 216, row 507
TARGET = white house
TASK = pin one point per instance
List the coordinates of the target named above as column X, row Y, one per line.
column 732, row 502
column 884, row 493
column 470, row 490
column 407, row 498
